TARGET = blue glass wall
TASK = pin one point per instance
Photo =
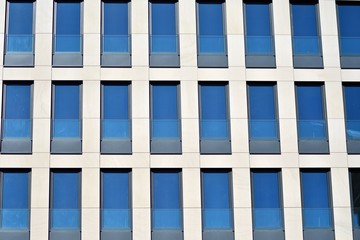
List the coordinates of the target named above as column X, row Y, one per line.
column 213, row 111
column 355, row 197
column 163, row 27
column 116, row 212
column 15, row 200
column 211, row 28
column 352, row 111
column 217, row 213
column 68, row 26
column 310, row 110
column 166, row 207
column 317, row 211
column 20, row 27
column 349, row 31
column 115, row 110
column 164, row 106
column 267, row 212
column 115, row 27
column 258, row 29
column 66, row 110
column 17, row 110
column 262, row 112
column 306, row 39
column 65, row 200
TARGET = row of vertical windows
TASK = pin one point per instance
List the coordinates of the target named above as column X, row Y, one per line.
column 165, row 117
column 166, row 195
column 164, row 39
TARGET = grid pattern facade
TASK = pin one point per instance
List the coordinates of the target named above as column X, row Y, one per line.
column 236, row 76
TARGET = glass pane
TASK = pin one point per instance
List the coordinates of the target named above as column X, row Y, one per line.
column 348, row 19
column 65, row 213
column 15, row 200
column 216, row 200
column 115, row 128
column 259, row 45
column 316, row 203
column 164, row 111
column 311, row 122
column 266, row 200
column 67, row 37
column 212, row 44
column 166, row 200
column 17, row 104
column 352, row 111
column 163, row 18
column 20, row 18
column 355, row 197
column 263, row 123
column 164, row 44
column 116, row 17
column 116, row 203
column 116, row 44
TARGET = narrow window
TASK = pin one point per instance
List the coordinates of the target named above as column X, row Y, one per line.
column 355, row 200
column 166, row 204
column 66, row 118
column 19, row 50
column 349, row 33
column 352, row 116
column 312, row 124
column 316, row 203
column 65, row 215
column 164, row 47
column 116, row 122
column 16, row 118
column 212, row 49
column 15, row 211
column 216, row 204
column 165, row 118
column 259, row 43
column 214, row 118
column 263, row 118
column 115, row 33
column 115, row 204
column 306, row 35
column 67, row 33
column 267, row 208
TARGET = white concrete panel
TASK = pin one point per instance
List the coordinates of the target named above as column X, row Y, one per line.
column 90, row 194
column 241, row 189
column 291, row 190
column 140, row 189
column 90, row 224
column 293, row 224
column 340, row 187
column 191, row 182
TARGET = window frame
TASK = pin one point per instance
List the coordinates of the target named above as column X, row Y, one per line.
column 278, row 172
column 161, row 145
column 306, row 145
column 300, row 60
column 177, row 171
column 116, row 170
column 51, row 197
column 229, row 173
column 275, row 143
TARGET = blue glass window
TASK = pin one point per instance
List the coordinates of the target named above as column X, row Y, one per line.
column 66, row 110
column 306, row 39
column 65, row 200
column 217, row 213
column 17, row 110
column 267, row 212
column 116, row 213
column 352, row 111
column 317, row 211
column 68, row 26
column 164, row 106
column 310, row 110
column 20, row 26
column 116, row 26
column 14, row 200
column 258, row 28
column 349, row 30
column 213, row 111
column 115, row 110
column 355, row 197
column 166, row 208
column 262, row 111
column 211, row 39
column 163, row 27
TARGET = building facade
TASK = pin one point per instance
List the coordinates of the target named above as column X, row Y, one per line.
column 180, row 120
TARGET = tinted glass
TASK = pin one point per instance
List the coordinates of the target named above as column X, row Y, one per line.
column 17, row 101
column 67, row 98
column 355, row 194
column 163, row 18
column 116, row 18
column 352, row 111
column 210, row 18
column 257, row 19
column 20, row 17
column 68, row 17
